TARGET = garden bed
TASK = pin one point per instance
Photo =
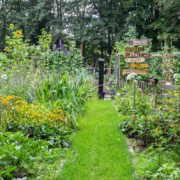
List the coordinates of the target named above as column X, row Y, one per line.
column 153, row 133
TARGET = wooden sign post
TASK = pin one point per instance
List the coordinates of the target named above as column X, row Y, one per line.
column 133, row 49
column 135, row 59
column 138, row 66
column 138, row 42
column 137, row 55
column 135, row 71
column 101, row 78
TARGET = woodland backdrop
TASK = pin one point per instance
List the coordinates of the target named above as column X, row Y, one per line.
column 94, row 25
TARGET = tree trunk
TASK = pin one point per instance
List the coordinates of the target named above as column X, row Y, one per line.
column 82, row 48
column 59, row 13
column 4, row 26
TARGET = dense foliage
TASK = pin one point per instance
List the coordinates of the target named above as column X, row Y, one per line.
column 42, row 94
column 45, row 47
column 95, row 25
column 155, row 126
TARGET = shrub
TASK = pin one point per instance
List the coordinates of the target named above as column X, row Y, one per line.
column 157, row 128
column 154, row 165
column 21, row 157
column 124, row 102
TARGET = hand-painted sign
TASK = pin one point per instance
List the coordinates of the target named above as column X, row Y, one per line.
column 138, row 42
column 133, row 60
column 132, row 54
column 134, row 49
column 140, row 66
column 135, row 57
column 135, row 71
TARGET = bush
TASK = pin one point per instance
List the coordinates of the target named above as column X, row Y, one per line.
column 157, row 129
column 22, row 157
column 124, row 102
column 71, row 63
column 157, row 126
column 41, row 95
column 152, row 164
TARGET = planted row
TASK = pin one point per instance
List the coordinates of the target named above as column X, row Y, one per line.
column 154, row 129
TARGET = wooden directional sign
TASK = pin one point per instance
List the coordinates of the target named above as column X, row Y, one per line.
column 138, row 42
column 134, row 49
column 135, row 57
column 136, row 71
column 140, row 66
column 132, row 54
column 145, row 55
column 133, row 60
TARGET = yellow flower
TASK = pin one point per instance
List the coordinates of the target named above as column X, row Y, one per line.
column 19, row 109
column 10, row 97
column 5, row 100
column 171, row 110
column 35, row 113
column 170, row 101
column 20, row 102
column 18, row 33
column 176, row 94
column 55, row 116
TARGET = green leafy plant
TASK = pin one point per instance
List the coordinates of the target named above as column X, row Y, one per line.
column 68, row 94
column 152, row 164
column 22, row 157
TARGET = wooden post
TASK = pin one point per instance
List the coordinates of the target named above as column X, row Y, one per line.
column 133, row 101
column 101, row 78
column 118, row 70
column 94, row 75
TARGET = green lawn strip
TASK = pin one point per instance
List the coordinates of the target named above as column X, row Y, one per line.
column 100, row 150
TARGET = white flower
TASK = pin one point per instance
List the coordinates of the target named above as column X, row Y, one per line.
column 131, row 76
column 168, row 83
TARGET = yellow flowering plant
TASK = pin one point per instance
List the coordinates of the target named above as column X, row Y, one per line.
column 17, row 51
column 17, row 34
column 17, row 110
column 35, row 121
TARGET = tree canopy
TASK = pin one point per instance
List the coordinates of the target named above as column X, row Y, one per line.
column 94, row 25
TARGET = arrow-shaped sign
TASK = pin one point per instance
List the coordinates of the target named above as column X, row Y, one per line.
column 140, row 66
column 129, row 60
column 135, row 71
column 132, row 54
column 134, row 49
column 138, row 42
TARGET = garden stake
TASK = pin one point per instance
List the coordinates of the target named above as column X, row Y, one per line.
column 133, row 101
column 118, row 70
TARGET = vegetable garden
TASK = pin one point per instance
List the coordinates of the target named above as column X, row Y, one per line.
column 86, row 96
column 151, row 113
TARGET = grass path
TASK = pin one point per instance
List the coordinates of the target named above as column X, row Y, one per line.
column 99, row 149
